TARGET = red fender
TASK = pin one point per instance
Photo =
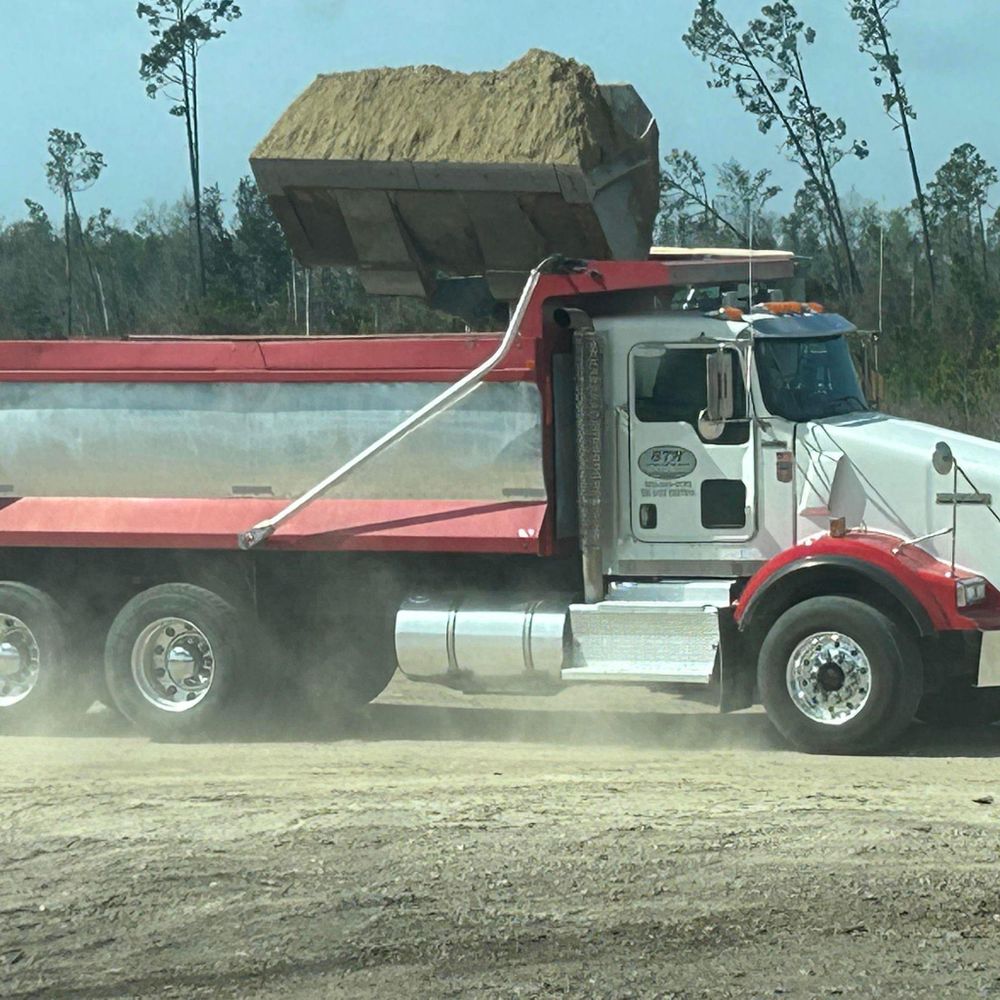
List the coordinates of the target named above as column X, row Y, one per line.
column 922, row 583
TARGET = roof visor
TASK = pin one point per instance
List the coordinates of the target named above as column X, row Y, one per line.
column 800, row 325
column 413, row 173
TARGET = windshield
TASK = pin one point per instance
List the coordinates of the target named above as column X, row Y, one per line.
column 808, row 378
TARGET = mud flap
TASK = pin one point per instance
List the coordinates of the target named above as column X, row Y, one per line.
column 989, row 661
column 737, row 665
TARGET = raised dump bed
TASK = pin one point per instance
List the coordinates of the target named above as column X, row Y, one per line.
column 416, row 173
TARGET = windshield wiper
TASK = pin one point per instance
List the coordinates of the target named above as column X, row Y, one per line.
column 846, row 399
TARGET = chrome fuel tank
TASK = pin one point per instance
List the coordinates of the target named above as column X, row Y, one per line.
column 265, row 439
column 486, row 637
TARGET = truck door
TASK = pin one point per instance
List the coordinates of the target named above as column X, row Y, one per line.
column 685, row 488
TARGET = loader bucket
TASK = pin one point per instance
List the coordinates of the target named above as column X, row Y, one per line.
column 415, row 174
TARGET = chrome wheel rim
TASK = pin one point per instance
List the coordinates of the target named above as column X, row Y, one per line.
column 829, row 678
column 20, row 661
column 173, row 664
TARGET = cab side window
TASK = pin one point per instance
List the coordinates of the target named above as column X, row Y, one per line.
column 671, row 388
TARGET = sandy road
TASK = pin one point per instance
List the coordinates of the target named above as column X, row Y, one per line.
column 596, row 844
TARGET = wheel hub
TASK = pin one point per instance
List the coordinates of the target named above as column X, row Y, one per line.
column 20, row 661
column 829, row 678
column 173, row 664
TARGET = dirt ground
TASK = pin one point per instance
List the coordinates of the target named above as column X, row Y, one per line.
column 602, row 843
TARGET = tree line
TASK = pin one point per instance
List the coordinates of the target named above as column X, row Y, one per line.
column 144, row 278
column 201, row 265
column 924, row 274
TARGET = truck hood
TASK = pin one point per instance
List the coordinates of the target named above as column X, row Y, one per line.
column 875, row 471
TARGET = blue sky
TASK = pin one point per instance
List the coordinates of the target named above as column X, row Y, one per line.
column 73, row 64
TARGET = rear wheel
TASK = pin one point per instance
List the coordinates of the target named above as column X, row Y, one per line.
column 40, row 686
column 958, row 703
column 179, row 661
column 838, row 676
column 337, row 663
column 337, row 681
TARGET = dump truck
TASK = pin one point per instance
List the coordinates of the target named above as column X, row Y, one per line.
column 663, row 472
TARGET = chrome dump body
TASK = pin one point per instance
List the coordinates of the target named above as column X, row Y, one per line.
column 187, row 443
column 248, row 439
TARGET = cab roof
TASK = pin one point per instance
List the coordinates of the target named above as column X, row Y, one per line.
column 728, row 325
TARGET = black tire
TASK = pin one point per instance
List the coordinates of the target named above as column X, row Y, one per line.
column 231, row 634
column 340, row 665
column 64, row 689
column 341, row 682
column 958, row 703
column 896, row 676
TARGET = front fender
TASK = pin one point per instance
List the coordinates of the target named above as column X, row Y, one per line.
column 916, row 581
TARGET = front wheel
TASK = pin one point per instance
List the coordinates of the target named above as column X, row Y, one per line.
column 838, row 676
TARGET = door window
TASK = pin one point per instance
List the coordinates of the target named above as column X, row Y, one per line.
column 671, row 387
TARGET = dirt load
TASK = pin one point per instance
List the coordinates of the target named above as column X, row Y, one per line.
column 603, row 845
column 540, row 109
column 407, row 172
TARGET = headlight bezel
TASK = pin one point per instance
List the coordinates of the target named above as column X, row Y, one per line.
column 970, row 591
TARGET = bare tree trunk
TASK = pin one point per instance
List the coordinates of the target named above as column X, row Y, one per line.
column 804, row 160
column 709, row 210
column 308, row 300
column 833, row 249
column 104, row 304
column 904, row 120
column 982, row 241
column 196, row 133
column 69, row 264
column 827, row 171
column 188, row 90
column 95, row 278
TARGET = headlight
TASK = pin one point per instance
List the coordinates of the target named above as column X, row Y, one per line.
column 971, row 590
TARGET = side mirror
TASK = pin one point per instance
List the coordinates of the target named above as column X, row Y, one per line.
column 942, row 459
column 721, row 397
column 872, row 383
